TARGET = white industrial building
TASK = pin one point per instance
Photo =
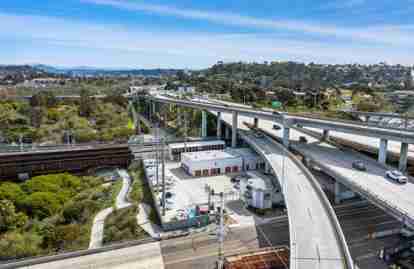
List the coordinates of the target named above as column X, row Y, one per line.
column 215, row 162
column 258, row 191
column 210, row 163
column 176, row 149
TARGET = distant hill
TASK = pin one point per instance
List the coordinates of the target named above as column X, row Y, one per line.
column 93, row 71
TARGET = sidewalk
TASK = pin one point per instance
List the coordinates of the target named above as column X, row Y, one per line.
column 143, row 220
column 97, row 230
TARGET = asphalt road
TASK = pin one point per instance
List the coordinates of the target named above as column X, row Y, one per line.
column 313, row 238
column 200, row 251
column 373, row 182
column 358, row 220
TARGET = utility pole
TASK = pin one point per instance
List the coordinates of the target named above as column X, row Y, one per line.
column 156, row 155
column 220, row 261
column 21, row 142
column 185, row 130
column 163, row 176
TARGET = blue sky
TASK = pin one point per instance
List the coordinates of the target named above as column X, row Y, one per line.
column 196, row 34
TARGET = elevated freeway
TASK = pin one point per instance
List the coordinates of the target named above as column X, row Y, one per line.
column 287, row 120
column 394, row 198
column 316, row 238
column 384, row 134
column 372, row 184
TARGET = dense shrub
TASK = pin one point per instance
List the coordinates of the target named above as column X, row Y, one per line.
column 41, row 204
column 18, row 245
column 11, row 191
column 9, row 219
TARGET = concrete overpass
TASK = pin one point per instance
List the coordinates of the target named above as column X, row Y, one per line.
column 393, row 198
column 316, row 238
column 348, row 127
column 372, row 184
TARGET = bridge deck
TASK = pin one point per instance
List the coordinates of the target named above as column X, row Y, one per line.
column 315, row 242
column 395, row 198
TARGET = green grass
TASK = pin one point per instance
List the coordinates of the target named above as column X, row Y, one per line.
column 116, row 188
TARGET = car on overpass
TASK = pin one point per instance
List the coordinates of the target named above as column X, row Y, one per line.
column 396, row 176
column 359, row 165
column 276, row 127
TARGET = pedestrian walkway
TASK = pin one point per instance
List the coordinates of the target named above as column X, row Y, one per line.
column 97, row 230
column 144, row 221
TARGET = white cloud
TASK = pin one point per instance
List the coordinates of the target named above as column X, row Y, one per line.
column 79, row 43
column 392, row 35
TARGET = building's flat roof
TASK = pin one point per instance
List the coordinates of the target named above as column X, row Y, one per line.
column 208, row 155
column 196, row 144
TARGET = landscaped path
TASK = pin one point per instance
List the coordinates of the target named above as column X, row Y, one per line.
column 99, row 220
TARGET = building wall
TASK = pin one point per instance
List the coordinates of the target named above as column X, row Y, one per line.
column 251, row 163
column 199, row 167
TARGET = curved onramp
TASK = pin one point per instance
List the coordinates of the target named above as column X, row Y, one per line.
column 316, row 239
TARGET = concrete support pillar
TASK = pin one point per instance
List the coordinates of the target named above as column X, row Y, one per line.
column 185, row 124
column 325, row 135
column 226, row 132
column 342, row 192
column 382, row 155
column 218, row 125
column 267, row 167
column 203, row 123
column 402, row 166
column 286, row 136
column 234, row 130
column 154, row 109
column 256, row 123
column 138, row 126
column 338, row 188
column 179, row 122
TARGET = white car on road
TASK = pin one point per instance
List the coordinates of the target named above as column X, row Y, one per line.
column 397, row 176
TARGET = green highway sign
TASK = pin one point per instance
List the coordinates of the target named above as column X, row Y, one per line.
column 276, row 104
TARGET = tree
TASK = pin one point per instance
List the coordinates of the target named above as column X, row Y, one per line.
column 85, row 107
column 41, row 204
column 11, row 191
column 9, row 218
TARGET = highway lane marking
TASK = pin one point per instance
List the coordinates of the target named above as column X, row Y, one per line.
column 310, row 214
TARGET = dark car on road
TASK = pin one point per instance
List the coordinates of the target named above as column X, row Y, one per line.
column 359, row 165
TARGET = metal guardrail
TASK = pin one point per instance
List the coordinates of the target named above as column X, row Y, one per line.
column 316, row 117
column 6, row 148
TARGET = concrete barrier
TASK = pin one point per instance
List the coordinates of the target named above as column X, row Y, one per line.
column 75, row 254
column 331, row 213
